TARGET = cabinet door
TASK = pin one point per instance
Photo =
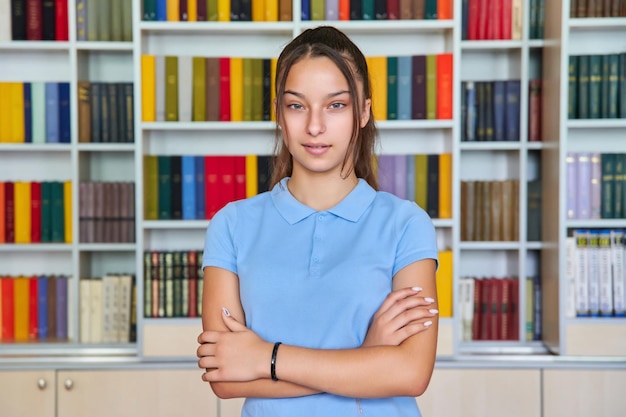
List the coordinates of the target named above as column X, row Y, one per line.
column 583, row 392
column 482, row 393
column 135, row 393
column 27, row 393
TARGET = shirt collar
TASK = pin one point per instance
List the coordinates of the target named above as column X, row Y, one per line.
column 350, row 208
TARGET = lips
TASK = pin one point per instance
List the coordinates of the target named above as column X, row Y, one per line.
column 316, row 149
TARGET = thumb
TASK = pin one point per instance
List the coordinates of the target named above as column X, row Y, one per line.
column 232, row 324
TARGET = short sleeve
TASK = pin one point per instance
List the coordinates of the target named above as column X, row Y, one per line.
column 219, row 246
column 418, row 239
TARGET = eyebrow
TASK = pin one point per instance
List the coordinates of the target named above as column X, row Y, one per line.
column 330, row 95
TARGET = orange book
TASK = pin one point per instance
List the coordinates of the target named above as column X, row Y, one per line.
column 2, row 215
column 273, row 63
column 236, row 89
column 252, row 186
column 258, row 10
column 21, row 308
column 148, row 88
column 16, row 103
column 7, row 326
column 445, row 186
column 271, row 10
column 444, row 86
column 67, row 210
column 444, row 9
column 173, row 10
column 223, row 10
column 344, row 9
column 377, row 66
column 444, row 284
column 192, row 11
column 22, row 211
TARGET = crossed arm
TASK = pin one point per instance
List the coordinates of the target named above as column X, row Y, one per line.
column 397, row 357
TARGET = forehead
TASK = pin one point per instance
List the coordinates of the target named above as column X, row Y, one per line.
column 318, row 67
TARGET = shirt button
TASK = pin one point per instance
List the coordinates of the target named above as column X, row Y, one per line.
column 320, row 217
column 315, row 260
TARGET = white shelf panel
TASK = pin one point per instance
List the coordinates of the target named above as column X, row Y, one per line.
column 106, row 147
column 489, row 246
column 596, row 224
column 36, row 247
column 490, row 146
column 175, row 224
column 352, row 27
column 35, row 45
column 208, row 126
column 598, row 23
column 488, row 347
column 249, row 28
column 597, row 124
column 107, row 247
column 35, row 147
column 492, row 44
column 443, row 223
column 104, row 46
column 76, row 352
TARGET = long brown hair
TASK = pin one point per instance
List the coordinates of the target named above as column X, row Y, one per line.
column 329, row 42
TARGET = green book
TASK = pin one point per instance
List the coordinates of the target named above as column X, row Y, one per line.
column 257, row 89
column 211, row 10
column 247, row 89
column 171, row 88
column 57, row 217
column 318, row 9
column 367, row 9
column 151, row 187
column 613, row 86
column 604, row 86
column 583, row 86
column 572, row 99
column 165, row 187
column 595, row 86
column 199, row 89
column 105, row 20
column 608, row 185
column 392, row 88
column 431, row 87
column 421, row 180
column 618, row 186
column 117, row 16
column 622, row 85
column 430, row 10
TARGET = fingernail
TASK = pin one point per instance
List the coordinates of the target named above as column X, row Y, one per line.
column 416, row 288
column 429, row 300
column 427, row 323
column 433, row 311
column 226, row 312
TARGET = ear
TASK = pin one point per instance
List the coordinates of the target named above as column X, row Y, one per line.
column 365, row 114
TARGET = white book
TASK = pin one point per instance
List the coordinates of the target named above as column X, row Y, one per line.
column 619, row 284
column 467, row 309
column 96, row 311
column 109, row 309
column 517, row 21
column 605, row 273
column 570, row 277
column 124, row 294
column 582, row 274
column 5, row 21
column 84, row 306
column 185, row 88
column 593, row 270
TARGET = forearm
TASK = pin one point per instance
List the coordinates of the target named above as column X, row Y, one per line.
column 260, row 388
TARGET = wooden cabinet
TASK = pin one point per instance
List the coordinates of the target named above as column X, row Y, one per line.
column 27, row 393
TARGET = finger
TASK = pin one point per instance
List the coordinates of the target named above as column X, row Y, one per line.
column 232, row 324
column 396, row 296
column 208, row 337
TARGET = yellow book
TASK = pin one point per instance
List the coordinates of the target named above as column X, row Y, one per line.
column 199, row 89
column 252, row 176
column 5, row 114
column 431, row 87
column 223, row 10
column 16, row 102
column 273, row 63
column 445, row 186
column 22, row 212
column 192, row 11
column 236, row 89
column 421, row 180
column 444, row 283
column 378, row 75
column 173, row 10
column 271, row 10
column 21, row 308
column 258, row 10
column 148, row 88
column 67, row 210
column 151, row 187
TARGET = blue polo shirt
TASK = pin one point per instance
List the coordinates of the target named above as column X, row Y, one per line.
column 315, row 278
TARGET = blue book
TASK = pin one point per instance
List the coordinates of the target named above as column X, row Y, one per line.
column 189, row 187
column 161, row 10
column 498, row 110
column 405, row 69
column 42, row 307
column 464, row 19
column 65, row 135
column 200, row 202
column 306, row 9
column 61, row 307
column 512, row 110
column 52, row 112
column 28, row 114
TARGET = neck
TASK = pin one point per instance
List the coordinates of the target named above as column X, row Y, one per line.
column 321, row 193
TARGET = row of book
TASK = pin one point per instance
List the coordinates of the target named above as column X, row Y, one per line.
column 107, row 309
column 597, row 8
column 425, row 179
column 191, row 187
column 186, row 88
column 597, row 86
column 98, row 20
column 173, row 282
column 595, row 273
column 33, row 308
column 490, row 210
column 595, row 185
column 282, row 10
column 35, row 112
column 500, row 19
column 106, row 212
column 35, row 212
column 490, row 308
column 106, row 112
column 490, row 111
column 34, row 20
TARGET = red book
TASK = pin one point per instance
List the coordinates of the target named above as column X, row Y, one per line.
column 478, row 283
column 33, row 311
column 34, row 20
column 444, row 9
column 506, row 23
column 224, row 90
column 35, row 212
column 183, row 10
column 240, row 177
column 61, row 27
column 483, row 19
column 212, row 197
column 495, row 17
column 534, row 110
column 472, row 20
column 445, row 85
column 7, row 332
column 226, row 180
column 495, row 306
column 2, row 214
column 201, row 7
column 9, row 212
column 393, row 9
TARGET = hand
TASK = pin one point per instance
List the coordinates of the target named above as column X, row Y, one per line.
column 235, row 355
column 404, row 313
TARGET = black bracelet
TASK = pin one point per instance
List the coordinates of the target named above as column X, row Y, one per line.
column 273, row 362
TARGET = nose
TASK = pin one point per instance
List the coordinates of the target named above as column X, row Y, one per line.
column 315, row 122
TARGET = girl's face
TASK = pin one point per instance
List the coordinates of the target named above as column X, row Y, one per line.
column 317, row 117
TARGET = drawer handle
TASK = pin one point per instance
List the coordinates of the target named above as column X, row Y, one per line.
column 69, row 384
column 42, row 384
